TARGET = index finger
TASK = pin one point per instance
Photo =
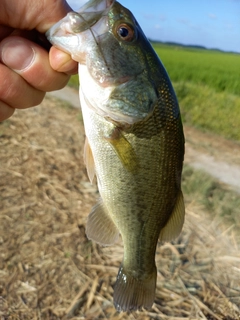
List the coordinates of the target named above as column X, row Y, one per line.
column 62, row 62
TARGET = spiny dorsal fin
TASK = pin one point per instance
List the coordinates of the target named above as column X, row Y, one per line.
column 123, row 149
column 100, row 226
column 89, row 161
column 175, row 223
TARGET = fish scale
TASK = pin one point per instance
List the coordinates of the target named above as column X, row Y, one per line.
column 134, row 145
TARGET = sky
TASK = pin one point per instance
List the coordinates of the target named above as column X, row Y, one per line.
column 209, row 23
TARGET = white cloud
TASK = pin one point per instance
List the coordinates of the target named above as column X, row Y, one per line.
column 162, row 17
column 149, row 16
column 183, row 21
column 212, row 16
column 229, row 26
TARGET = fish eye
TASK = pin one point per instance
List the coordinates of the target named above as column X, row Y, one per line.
column 125, row 32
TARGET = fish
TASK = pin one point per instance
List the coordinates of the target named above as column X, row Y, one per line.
column 134, row 141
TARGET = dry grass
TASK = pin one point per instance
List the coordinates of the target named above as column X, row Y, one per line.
column 49, row 270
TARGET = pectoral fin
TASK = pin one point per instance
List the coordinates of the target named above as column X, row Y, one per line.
column 174, row 225
column 100, row 226
column 124, row 150
column 89, row 161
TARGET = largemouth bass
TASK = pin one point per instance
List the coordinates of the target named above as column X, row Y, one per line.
column 134, row 141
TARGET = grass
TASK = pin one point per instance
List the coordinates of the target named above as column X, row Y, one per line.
column 216, row 69
column 74, row 81
column 204, row 108
column 207, row 86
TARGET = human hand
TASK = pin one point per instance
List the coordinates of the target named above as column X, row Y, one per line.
column 27, row 69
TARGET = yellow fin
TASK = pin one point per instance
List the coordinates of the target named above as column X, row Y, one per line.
column 89, row 161
column 123, row 149
column 100, row 226
column 131, row 293
column 175, row 223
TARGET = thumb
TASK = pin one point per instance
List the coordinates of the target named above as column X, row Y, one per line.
column 31, row 62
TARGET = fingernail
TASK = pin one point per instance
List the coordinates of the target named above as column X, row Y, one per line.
column 17, row 55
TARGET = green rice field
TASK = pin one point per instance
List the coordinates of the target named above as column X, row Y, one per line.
column 207, row 84
column 216, row 69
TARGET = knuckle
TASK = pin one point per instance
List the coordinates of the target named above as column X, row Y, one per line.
column 52, row 81
column 8, row 90
column 37, row 98
column 16, row 92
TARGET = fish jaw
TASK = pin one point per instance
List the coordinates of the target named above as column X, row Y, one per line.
column 63, row 36
column 117, row 88
column 106, row 103
column 72, row 32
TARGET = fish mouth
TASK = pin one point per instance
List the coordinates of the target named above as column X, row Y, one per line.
column 77, row 22
column 61, row 35
column 65, row 33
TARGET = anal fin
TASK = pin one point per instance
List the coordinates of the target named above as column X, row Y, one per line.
column 100, row 226
column 175, row 223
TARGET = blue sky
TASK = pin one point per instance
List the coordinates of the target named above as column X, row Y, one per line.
column 211, row 23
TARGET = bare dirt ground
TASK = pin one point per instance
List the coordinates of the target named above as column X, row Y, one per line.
column 49, row 269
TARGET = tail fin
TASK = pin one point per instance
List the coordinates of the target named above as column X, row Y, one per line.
column 131, row 293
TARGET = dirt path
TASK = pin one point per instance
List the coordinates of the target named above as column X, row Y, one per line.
column 215, row 155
